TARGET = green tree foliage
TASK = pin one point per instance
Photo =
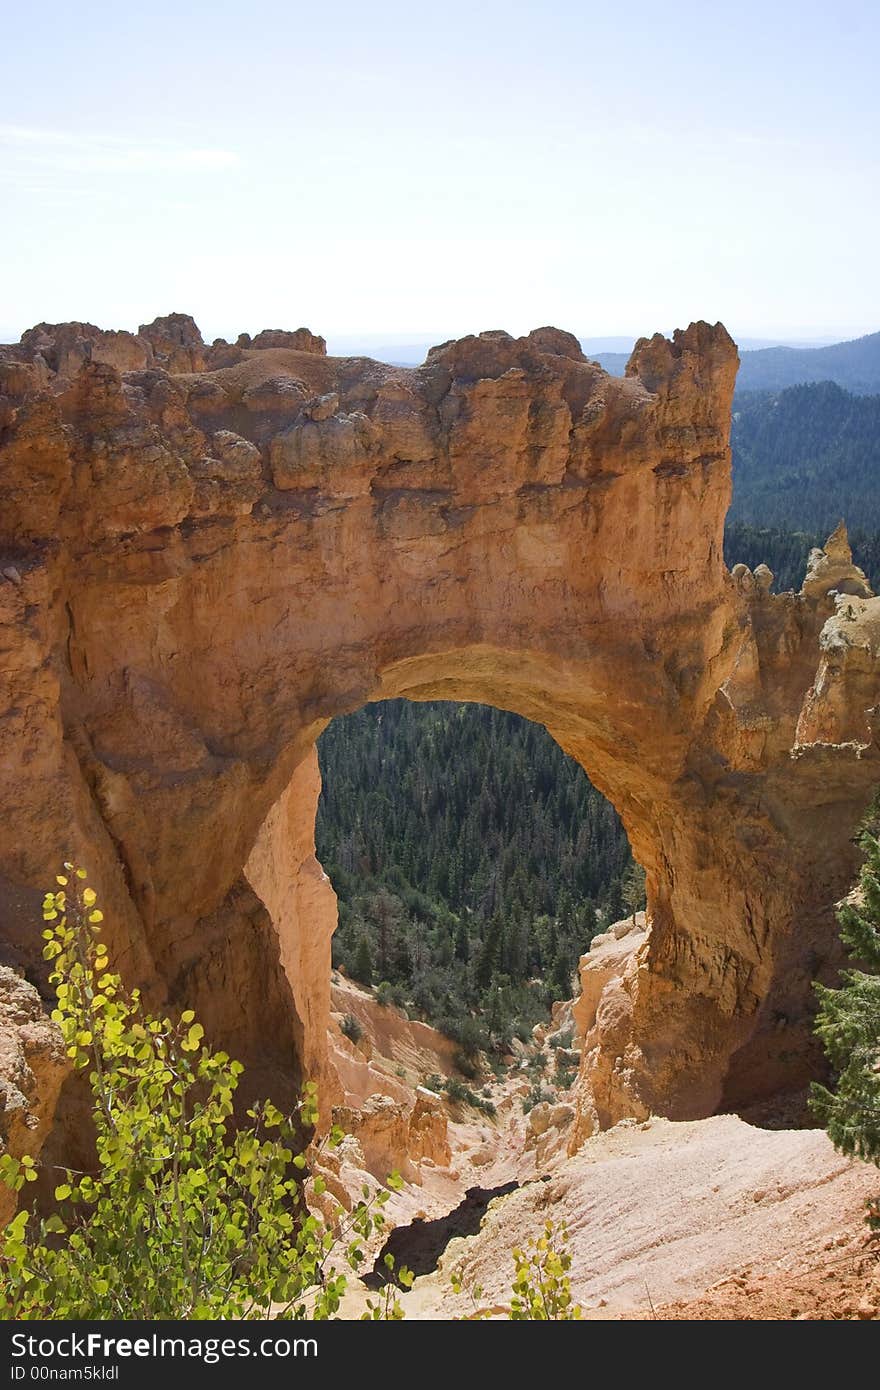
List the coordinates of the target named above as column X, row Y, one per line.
column 475, row 859
column 848, row 1023
column 786, row 551
column 186, row 1216
column 362, row 962
column 541, row 1284
column 805, row 457
column 352, row 1028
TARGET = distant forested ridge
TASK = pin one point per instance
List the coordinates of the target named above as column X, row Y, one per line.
column 806, row 457
column 854, row 365
column 470, row 856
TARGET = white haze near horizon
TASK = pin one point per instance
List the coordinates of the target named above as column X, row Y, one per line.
column 371, row 172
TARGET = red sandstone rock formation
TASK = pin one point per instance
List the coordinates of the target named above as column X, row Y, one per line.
column 201, row 568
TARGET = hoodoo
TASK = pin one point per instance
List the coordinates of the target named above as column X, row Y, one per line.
column 207, row 553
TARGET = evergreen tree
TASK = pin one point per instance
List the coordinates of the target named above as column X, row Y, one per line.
column 561, row 972
column 633, row 890
column 462, row 941
column 848, row 1023
column 362, row 965
column 489, row 959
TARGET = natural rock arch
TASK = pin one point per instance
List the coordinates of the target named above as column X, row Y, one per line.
column 211, row 552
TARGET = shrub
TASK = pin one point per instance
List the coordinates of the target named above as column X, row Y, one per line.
column 541, row 1289
column 455, row 1089
column 468, row 1033
column 541, row 1284
column 461, row 1094
column 466, row 1064
column 352, row 1028
column 186, row 1216
column 535, row 1096
column 384, row 995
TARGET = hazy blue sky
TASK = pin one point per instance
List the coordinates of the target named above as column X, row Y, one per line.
column 410, row 169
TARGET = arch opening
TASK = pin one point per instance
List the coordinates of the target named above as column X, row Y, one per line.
column 473, row 864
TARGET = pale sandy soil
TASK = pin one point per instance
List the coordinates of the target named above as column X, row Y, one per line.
column 712, row 1217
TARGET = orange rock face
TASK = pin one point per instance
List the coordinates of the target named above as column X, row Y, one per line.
column 32, row 1067
column 201, row 568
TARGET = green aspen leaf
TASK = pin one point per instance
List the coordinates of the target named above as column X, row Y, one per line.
column 15, row 1229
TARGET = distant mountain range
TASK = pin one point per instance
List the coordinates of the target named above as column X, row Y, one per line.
column 854, row 365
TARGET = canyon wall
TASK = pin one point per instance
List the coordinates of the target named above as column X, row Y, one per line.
column 207, row 553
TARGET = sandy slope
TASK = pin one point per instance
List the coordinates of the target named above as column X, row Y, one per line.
column 662, row 1212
